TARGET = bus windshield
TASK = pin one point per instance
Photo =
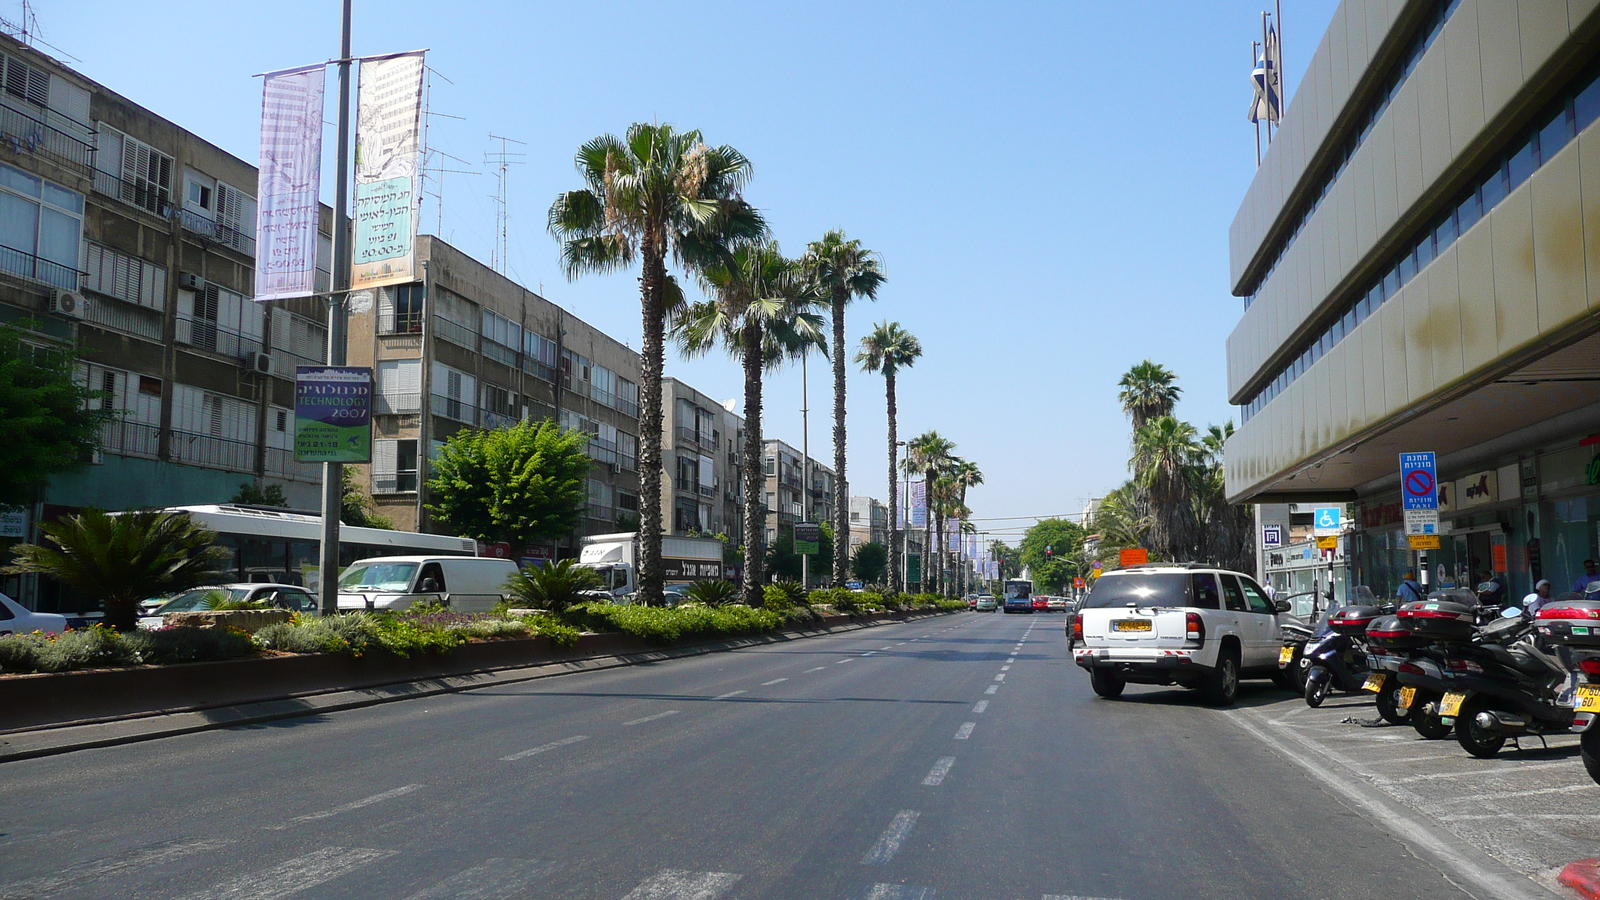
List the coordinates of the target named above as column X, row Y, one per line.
column 1018, row 589
column 378, row 577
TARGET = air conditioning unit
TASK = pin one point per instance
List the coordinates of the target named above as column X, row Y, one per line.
column 191, row 282
column 259, row 363
column 68, row 303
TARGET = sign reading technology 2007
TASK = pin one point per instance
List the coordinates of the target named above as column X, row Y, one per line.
column 333, row 414
column 1419, row 487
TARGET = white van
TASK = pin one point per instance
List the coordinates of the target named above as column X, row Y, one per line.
column 463, row 583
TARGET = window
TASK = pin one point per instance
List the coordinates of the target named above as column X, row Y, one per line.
column 116, row 274
column 138, row 173
column 1233, row 597
column 399, row 386
column 539, row 356
column 456, row 319
column 400, row 309
column 498, row 401
column 453, row 394
column 627, row 451
column 219, row 320
column 1258, row 601
column 501, row 330
column 394, row 466
column 26, row 82
column 41, row 224
column 198, row 196
column 1205, row 591
column 236, row 218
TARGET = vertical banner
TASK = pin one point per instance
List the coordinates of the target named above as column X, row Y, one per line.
column 919, row 504
column 287, row 204
column 333, row 414
column 388, row 146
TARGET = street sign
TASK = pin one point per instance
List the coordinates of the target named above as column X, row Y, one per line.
column 1136, row 556
column 1419, row 484
column 807, row 538
column 1422, row 521
column 1423, row 541
column 1325, row 522
column 1271, row 537
column 1330, row 542
column 1078, row 583
column 853, row 585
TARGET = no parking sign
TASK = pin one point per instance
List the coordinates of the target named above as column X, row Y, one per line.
column 1419, row 487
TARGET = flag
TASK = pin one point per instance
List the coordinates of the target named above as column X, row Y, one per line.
column 388, row 145
column 919, row 504
column 1267, row 102
column 287, row 207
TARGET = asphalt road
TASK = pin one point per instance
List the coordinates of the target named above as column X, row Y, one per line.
column 953, row 757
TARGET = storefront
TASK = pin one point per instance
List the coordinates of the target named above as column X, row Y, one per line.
column 1301, row 574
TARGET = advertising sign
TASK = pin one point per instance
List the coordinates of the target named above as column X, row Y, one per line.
column 287, row 207
column 1325, row 521
column 1271, row 537
column 807, row 538
column 1418, row 482
column 690, row 569
column 333, row 414
column 388, row 145
column 919, row 504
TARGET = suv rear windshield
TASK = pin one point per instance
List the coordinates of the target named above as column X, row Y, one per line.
column 1140, row 589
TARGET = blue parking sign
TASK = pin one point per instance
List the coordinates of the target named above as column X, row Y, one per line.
column 1419, row 486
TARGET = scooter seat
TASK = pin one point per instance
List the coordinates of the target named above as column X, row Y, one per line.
column 1525, row 663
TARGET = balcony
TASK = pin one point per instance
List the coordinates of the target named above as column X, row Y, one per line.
column 460, row 335
column 204, row 334
column 213, row 452
column 282, row 464
column 602, row 451
column 126, row 438
column 455, row 409
column 226, row 235
column 498, row 420
column 148, row 197
column 128, row 318
column 398, row 404
column 31, row 267
column 707, row 490
column 29, row 134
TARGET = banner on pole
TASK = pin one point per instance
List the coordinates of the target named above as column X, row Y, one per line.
column 388, row 147
column 287, row 205
column 333, row 414
column 919, row 504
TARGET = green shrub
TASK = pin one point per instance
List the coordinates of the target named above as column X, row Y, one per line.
column 553, row 586
column 76, row 649
column 560, row 635
column 950, row 605
column 793, row 592
column 719, row 592
column 164, row 646
column 353, row 634
column 665, row 625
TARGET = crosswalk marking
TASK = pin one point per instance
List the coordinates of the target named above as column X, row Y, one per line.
column 659, row 715
column 675, row 885
column 544, row 748
column 74, row 875
column 295, row 875
column 966, row 730
column 939, row 771
column 349, row 807
column 896, row 892
column 892, row 839
column 496, row 879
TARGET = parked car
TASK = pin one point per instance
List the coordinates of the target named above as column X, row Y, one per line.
column 986, row 603
column 18, row 619
column 278, row 596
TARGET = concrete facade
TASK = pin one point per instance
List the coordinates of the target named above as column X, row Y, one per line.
column 869, row 522
column 701, row 487
column 787, row 499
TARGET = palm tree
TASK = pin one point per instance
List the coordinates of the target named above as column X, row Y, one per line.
column 124, row 558
column 927, row 454
column 1165, row 454
column 843, row 270
column 1228, row 536
column 760, row 314
column 647, row 194
column 965, row 474
column 1149, row 391
column 1118, row 522
column 888, row 349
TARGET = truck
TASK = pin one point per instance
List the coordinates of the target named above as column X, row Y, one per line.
column 615, row 557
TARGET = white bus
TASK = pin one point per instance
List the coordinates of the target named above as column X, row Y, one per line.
column 1018, row 589
column 283, row 547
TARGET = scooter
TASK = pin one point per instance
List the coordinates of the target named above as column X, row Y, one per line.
column 1296, row 635
column 1338, row 657
column 1570, row 625
column 1503, row 686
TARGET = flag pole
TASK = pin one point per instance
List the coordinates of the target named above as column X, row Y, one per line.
column 332, row 472
column 1266, row 74
column 1257, row 119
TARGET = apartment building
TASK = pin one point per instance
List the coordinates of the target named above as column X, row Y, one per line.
column 466, row 347
column 133, row 240
column 700, row 488
column 869, row 522
column 1419, row 261
column 788, row 498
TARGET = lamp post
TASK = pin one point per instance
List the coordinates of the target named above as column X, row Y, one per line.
column 905, row 525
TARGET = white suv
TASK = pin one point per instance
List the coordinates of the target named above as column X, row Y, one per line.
column 1198, row 627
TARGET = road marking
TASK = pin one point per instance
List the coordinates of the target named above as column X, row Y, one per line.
column 537, row 750
column 841, row 662
column 1005, row 668
column 869, row 653
column 1488, row 773
column 727, row 695
column 885, row 648
column 73, row 875
column 296, row 875
column 966, row 730
column 817, row 669
column 659, row 715
column 939, row 771
column 773, row 682
column 1553, row 817
column 892, row 839
column 993, row 688
column 896, row 892
column 496, row 879
column 348, row 807
column 982, row 705
column 674, row 885
column 1070, row 897
column 1506, row 795
column 1000, row 677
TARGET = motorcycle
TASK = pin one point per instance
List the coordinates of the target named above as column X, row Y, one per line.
column 1570, row 625
column 1337, row 657
column 1296, row 634
column 1501, row 685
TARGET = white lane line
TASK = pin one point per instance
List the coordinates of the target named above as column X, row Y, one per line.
column 537, row 750
column 676, row 885
column 893, row 837
column 1000, row 677
column 659, row 715
column 991, row 689
column 727, row 695
column 74, row 875
column 1506, row 795
column 965, row 731
column 1477, row 773
column 348, row 807
column 982, row 705
column 773, row 682
column 1553, row 817
column 885, row 648
column 496, row 879
column 841, row 662
column 1070, row 897
column 817, row 669
column 1005, row 668
column 295, row 875
column 896, row 892
column 939, row 771
column 901, row 644
column 869, row 653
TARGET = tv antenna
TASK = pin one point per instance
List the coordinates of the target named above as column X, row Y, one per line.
column 502, row 159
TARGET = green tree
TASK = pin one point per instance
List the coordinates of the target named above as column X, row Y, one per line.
column 648, row 194
column 1008, row 557
column 1148, row 391
column 870, row 562
column 1118, row 523
column 124, row 558
column 928, row 454
column 887, row 350
column 761, row 315
column 50, row 421
column 355, row 506
column 518, row 484
column 254, row 493
column 843, row 270
column 1228, row 529
column 1055, row 571
column 1165, row 455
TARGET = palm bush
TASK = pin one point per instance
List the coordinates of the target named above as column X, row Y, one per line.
column 554, row 587
column 124, row 558
column 713, row 593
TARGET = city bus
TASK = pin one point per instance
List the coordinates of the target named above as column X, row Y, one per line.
column 283, row 547
column 1018, row 589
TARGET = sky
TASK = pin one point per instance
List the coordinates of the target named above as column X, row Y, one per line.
column 1049, row 184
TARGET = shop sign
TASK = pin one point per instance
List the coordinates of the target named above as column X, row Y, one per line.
column 14, row 524
column 1476, row 490
column 1379, row 515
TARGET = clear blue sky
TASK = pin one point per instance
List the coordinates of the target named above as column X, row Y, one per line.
column 1050, row 184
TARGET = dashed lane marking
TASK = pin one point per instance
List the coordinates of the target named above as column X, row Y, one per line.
column 675, row 885
column 895, row 892
column 349, row 807
column 982, row 705
column 892, row 839
column 817, row 669
column 939, row 771
column 728, row 694
column 993, row 688
column 496, row 879
column 841, row 662
column 1000, row 677
column 659, row 715
column 965, row 731
column 773, row 682
column 545, row 748
column 1005, row 668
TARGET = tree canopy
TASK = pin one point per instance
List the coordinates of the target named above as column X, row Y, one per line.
column 1065, row 540
column 870, row 564
column 519, row 484
column 50, row 421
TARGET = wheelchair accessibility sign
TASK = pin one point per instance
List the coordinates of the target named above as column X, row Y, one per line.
column 1326, row 521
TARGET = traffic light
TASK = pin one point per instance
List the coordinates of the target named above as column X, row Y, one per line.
column 1049, row 553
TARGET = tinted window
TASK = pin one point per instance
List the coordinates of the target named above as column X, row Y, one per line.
column 1232, row 594
column 1258, row 601
column 1139, row 589
column 1206, row 595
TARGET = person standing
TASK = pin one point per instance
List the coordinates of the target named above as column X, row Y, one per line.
column 1409, row 591
column 1590, row 574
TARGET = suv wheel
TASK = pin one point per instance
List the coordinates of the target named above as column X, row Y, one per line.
column 1222, row 685
column 1106, row 684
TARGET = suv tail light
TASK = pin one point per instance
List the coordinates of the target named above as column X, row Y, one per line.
column 1077, row 627
column 1194, row 630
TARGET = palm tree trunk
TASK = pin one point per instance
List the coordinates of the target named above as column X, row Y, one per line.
column 894, row 489
column 841, row 490
column 754, row 522
column 652, row 281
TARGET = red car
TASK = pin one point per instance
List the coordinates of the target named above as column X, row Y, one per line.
column 1041, row 604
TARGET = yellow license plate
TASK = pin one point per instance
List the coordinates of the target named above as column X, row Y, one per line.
column 1451, row 704
column 1285, row 656
column 1131, row 625
column 1407, row 695
column 1588, row 698
column 1374, row 682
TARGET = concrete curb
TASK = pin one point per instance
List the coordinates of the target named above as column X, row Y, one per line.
column 67, row 737
column 1582, row 876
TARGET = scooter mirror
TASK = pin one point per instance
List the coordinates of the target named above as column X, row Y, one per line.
column 1511, row 612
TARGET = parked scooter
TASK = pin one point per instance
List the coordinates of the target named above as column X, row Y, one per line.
column 1296, row 634
column 1337, row 658
column 1570, row 626
column 1501, row 685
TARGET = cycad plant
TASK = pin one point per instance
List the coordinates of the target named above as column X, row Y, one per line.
column 124, row 558
column 648, row 194
column 554, row 586
column 713, row 593
column 888, row 349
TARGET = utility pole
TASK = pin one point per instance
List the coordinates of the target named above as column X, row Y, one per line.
column 805, row 465
column 338, row 322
